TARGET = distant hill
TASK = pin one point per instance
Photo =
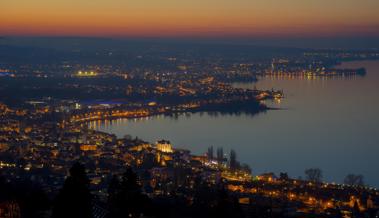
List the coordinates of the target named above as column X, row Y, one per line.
column 47, row 49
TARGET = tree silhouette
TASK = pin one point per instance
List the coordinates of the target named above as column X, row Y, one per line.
column 74, row 199
column 314, row 174
column 246, row 168
column 125, row 196
column 210, row 153
column 220, row 155
column 113, row 192
column 214, row 201
column 28, row 197
column 354, row 180
column 233, row 163
column 283, row 176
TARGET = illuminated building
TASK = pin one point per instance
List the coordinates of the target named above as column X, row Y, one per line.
column 140, row 147
column 245, row 201
column 152, row 103
column 4, row 146
column 370, row 203
column 86, row 74
column 164, row 146
column 10, row 209
column 88, row 147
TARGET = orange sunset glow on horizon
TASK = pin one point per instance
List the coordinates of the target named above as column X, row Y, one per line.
column 189, row 18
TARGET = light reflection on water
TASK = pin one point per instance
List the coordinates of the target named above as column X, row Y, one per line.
column 331, row 123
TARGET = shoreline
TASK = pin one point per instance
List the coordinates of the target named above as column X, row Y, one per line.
column 172, row 115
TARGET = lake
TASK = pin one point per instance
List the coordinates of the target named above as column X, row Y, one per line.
column 332, row 124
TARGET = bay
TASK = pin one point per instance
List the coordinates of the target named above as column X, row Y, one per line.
column 329, row 123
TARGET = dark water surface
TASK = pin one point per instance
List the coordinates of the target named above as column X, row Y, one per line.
column 332, row 124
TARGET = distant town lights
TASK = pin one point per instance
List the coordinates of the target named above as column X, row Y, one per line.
column 86, row 73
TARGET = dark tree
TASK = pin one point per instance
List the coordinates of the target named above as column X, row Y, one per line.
column 210, row 153
column 220, row 155
column 113, row 192
column 283, row 176
column 226, row 205
column 233, row 160
column 214, row 201
column 125, row 196
column 354, row 180
column 313, row 174
column 28, row 198
column 246, row 168
column 74, row 199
